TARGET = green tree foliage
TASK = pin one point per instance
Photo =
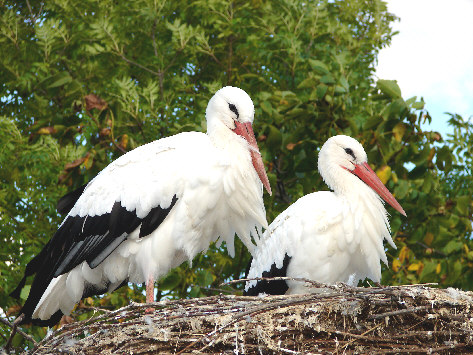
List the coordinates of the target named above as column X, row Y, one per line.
column 85, row 81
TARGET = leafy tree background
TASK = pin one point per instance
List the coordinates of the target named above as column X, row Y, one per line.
column 82, row 82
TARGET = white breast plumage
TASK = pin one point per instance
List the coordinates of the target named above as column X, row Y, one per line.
column 328, row 236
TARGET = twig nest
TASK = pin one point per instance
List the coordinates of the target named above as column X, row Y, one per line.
column 414, row 319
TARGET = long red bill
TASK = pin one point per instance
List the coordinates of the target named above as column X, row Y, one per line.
column 246, row 131
column 365, row 173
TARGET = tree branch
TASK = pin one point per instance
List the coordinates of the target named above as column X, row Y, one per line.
column 15, row 329
column 121, row 55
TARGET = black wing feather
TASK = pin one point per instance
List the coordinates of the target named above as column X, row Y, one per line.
column 155, row 218
column 66, row 202
column 79, row 239
column 276, row 287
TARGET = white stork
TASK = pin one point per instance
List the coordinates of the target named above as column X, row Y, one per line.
column 152, row 209
column 328, row 236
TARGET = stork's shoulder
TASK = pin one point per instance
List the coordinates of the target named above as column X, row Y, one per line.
column 316, row 210
column 144, row 178
column 182, row 143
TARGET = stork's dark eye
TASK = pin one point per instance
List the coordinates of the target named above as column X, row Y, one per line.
column 233, row 108
column 350, row 152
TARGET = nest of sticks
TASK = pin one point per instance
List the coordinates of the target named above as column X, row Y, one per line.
column 336, row 319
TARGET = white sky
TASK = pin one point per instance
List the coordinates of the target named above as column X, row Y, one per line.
column 432, row 56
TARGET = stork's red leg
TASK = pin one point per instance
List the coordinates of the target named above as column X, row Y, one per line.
column 150, row 293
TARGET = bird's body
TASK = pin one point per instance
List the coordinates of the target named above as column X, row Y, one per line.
column 152, row 209
column 327, row 236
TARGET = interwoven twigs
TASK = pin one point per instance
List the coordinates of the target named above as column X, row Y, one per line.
column 338, row 318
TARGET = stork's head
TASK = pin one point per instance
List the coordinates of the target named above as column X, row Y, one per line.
column 230, row 105
column 231, row 110
column 340, row 158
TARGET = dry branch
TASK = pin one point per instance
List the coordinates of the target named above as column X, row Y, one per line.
column 338, row 319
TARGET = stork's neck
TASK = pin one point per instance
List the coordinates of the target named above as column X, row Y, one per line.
column 358, row 195
column 224, row 138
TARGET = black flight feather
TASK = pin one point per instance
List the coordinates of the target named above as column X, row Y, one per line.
column 79, row 239
column 155, row 217
column 276, row 287
column 66, row 202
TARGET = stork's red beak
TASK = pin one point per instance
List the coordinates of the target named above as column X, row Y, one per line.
column 365, row 173
column 246, row 131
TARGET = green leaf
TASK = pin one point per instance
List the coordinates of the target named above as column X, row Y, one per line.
column 428, row 270
column 17, row 340
column 321, row 91
column 328, row 79
column 418, row 105
column 60, row 80
column 462, row 204
column 25, row 291
column 318, row 66
column 411, row 100
column 372, row 122
column 401, row 189
column 452, row 246
column 195, row 292
column 204, row 278
column 444, row 158
column 344, row 83
column 171, row 281
column 417, row 172
column 307, row 83
column 340, row 89
column 274, row 139
column 457, row 270
column 266, row 107
column 295, row 112
column 427, row 185
column 390, row 88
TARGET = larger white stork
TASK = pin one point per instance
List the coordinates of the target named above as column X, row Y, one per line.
column 152, row 209
column 328, row 236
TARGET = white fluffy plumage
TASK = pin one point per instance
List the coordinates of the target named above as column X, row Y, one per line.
column 329, row 236
column 218, row 190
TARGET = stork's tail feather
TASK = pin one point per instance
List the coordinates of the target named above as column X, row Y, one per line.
column 56, row 297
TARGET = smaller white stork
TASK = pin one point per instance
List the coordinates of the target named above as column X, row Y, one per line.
column 327, row 236
column 152, row 209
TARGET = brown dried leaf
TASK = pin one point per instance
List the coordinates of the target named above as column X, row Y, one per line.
column 290, row 146
column 13, row 310
column 262, row 138
column 64, row 178
column 104, row 132
column 429, row 238
column 93, row 101
column 431, row 154
column 75, row 163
